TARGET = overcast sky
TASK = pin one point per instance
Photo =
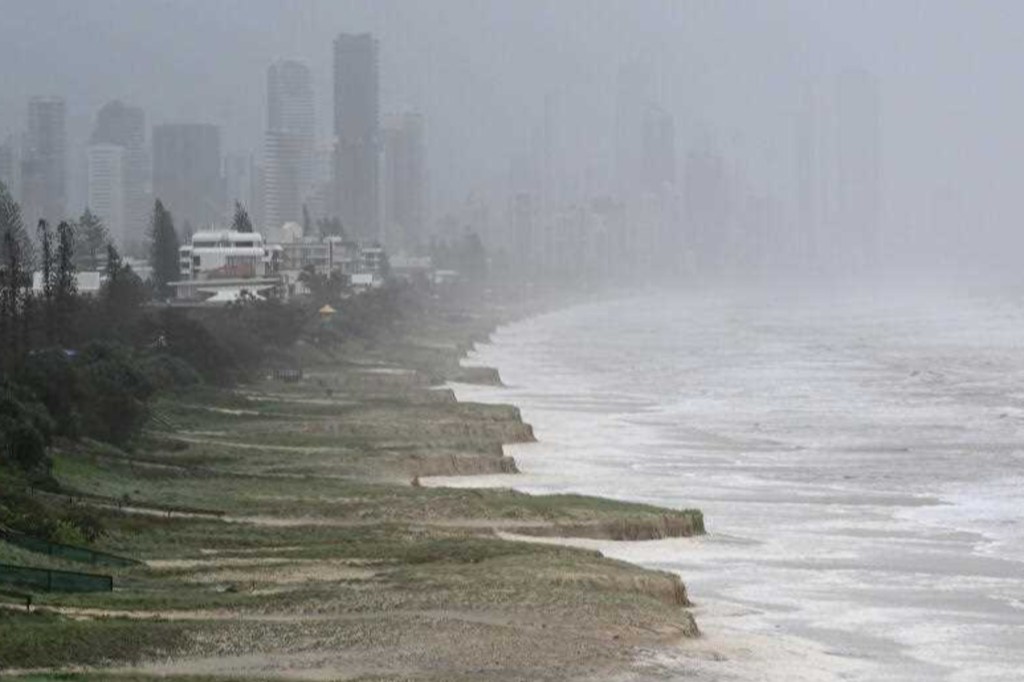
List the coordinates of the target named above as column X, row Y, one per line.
column 730, row 70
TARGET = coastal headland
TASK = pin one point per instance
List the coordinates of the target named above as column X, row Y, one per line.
column 283, row 534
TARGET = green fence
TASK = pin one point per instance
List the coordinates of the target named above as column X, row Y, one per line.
column 68, row 552
column 54, row 581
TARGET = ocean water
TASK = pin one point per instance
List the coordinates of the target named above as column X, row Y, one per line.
column 860, row 463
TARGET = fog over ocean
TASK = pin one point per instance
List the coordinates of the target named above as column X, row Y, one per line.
column 860, row 463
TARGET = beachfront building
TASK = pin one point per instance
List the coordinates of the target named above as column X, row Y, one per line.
column 222, row 266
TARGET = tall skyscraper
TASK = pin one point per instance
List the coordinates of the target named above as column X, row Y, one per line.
column 658, row 168
column 356, row 123
column 632, row 93
column 44, row 163
column 290, row 98
column 404, row 183
column 839, row 172
column 107, row 169
column 859, row 195
column 120, row 125
column 288, row 144
column 241, row 184
column 708, row 201
column 187, row 173
column 8, row 166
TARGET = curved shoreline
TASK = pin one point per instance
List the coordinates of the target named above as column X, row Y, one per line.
column 724, row 651
column 326, row 555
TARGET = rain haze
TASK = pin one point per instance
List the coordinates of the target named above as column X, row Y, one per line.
column 500, row 81
column 499, row 340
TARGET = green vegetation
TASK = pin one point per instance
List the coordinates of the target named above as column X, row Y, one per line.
column 39, row 639
column 286, row 521
column 163, row 254
column 241, row 222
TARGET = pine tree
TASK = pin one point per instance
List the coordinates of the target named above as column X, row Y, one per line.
column 123, row 293
column 46, row 266
column 65, row 283
column 331, row 227
column 15, row 300
column 92, row 237
column 241, row 222
column 9, row 297
column 163, row 255
column 11, row 221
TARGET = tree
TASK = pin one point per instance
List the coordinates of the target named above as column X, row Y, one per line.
column 47, row 267
column 472, row 258
column 122, row 295
column 65, row 283
column 114, row 392
column 11, row 221
column 330, row 227
column 25, row 430
column 241, row 222
column 12, row 275
column 92, row 237
column 163, row 253
column 323, row 288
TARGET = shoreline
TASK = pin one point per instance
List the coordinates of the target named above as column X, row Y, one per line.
column 327, row 550
column 725, row 650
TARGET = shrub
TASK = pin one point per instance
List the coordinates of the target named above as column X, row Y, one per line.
column 114, row 393
column 50, row 376
column 165, row 371
column 85, row 523
column 25, row 430
column 67, row 533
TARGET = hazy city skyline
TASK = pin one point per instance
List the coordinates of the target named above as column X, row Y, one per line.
column 483, row 75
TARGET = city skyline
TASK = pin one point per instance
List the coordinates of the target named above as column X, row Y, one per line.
column 683, row 199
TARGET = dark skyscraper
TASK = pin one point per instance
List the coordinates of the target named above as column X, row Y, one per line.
column 404, row 182
column 44, row 165
column 124, row 126
column 356, row 127
column 187, row 173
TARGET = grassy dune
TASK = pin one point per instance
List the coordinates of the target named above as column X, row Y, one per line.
column 320, row 556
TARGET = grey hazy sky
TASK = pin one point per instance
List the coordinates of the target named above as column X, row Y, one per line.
column 730, row 70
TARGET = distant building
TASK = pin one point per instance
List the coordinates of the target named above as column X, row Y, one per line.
column 356, row 128
column 708, row 201
column 839, row 172
column 404, row 184
column 125, row 126
column 633, row 91
column 9, row 167
column 87, row 283
column 521, row 219
column 187, row 173
column 219, row 266
column 243, row 182
column 324, row 256
column 107, row 167
column 284, row 155
column 44, row 162
column 658, row 168
column 288, row 144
